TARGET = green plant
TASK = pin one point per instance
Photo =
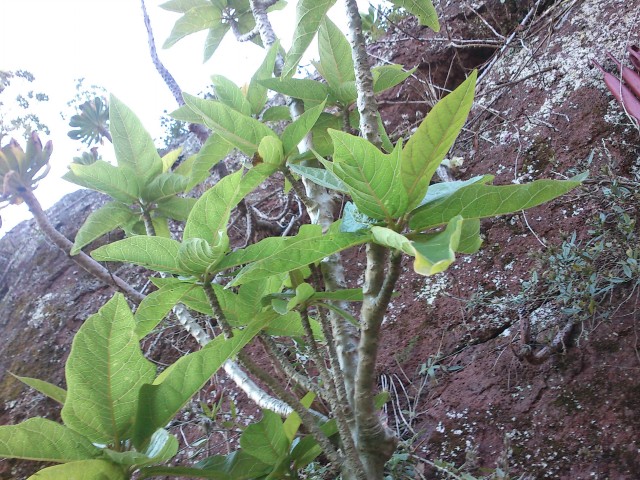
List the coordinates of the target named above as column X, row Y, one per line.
column 280, row 287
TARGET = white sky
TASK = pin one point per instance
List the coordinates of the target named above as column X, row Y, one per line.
column 105, row 41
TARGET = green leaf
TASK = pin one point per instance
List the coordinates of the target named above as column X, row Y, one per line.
column 157, row 305
column 214, row 38
column 299, row 128
column 372, row 176
column 230, row 94
column 50, row 390
column 155, row 253
column 293, row 422
column 441, row 190
column 479, row 201
column 470, row 240
column 307, row 449
column 104, row 372
column 177, row 208
column 355, row 221
column 345, row 94
column 311, row 92
column 304, row 292
column 265, row 440
column 162, row 447
column 182, row 6
column 271, row 151
column 240, row 130
column 198, row 17
column 119, row 183
column 160, row 226
column 213, row 151
column 238, row 465
column 159, row 402
column 429, row 144
column 423, row 9
column 82, row 470
column 132, row 144
column 388, row 76
column 309, row 14
column 211, row 212
column 321, row 176
column 276, row 114
column 44, row 440
column 256, row 92
column 276, row 255
column 107, row 218
column 336, row 62
column 435, row 254
column 165, row 185
column 170, row 158
column 196, row 256
column 388, row 238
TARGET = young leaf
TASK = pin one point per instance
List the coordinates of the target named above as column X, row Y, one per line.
column 82, row 470
column 309, row 14
column 320, row 176
column 157, row 305
column 372, row 176
column 211, row 212
column 296, row 131
column 155, row 253
column 107, row 218
column 104, row 372
column 423, row 9
column 266, row 440
column 46, row 441
column 119, row 183
column 50, row 390
column 435, row 254
column 335, row 54
column 170, row 158
column 256, row 92
column 240, row 130
column 312, row 93
column 162, row 447
column 158, row 403
column 196, row 256
column 277, row 255
column 429, row 144
column 388, row 76
column 133, row 146
column 230, row 94
column 479, row 201
column 271, row 151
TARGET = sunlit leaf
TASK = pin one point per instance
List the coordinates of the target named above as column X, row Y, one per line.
column 104, row 220
column 155, row 253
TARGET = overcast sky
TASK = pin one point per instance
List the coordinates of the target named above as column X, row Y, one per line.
column 105, row 41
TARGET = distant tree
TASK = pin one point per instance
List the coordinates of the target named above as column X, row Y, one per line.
column 18, row 104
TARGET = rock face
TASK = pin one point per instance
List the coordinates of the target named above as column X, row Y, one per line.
column 452, row 345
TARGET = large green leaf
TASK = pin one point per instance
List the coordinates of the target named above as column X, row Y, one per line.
column 480, row 201
column 372, row 176
column 240, row 130
column 210, row 214
column 157, row 305
column 266, row 440
column 256, row 92
column 299, row 128
column 311, row 92
column 44, row 440
column 182, row 6
column 159, row 402
column 49, row 389
column 107, row 218
column 214, row 38
column 309, row 14
column 162, row 447
column 119, row 183
column 423, row 9
column 82, row 470
column 230, row 94
column 277, row 255
column 430, row 143
column 177, row 208
column 104, row 372
column 336, row 63
column 199, row 16
column 155, row 253
column 132, row 144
